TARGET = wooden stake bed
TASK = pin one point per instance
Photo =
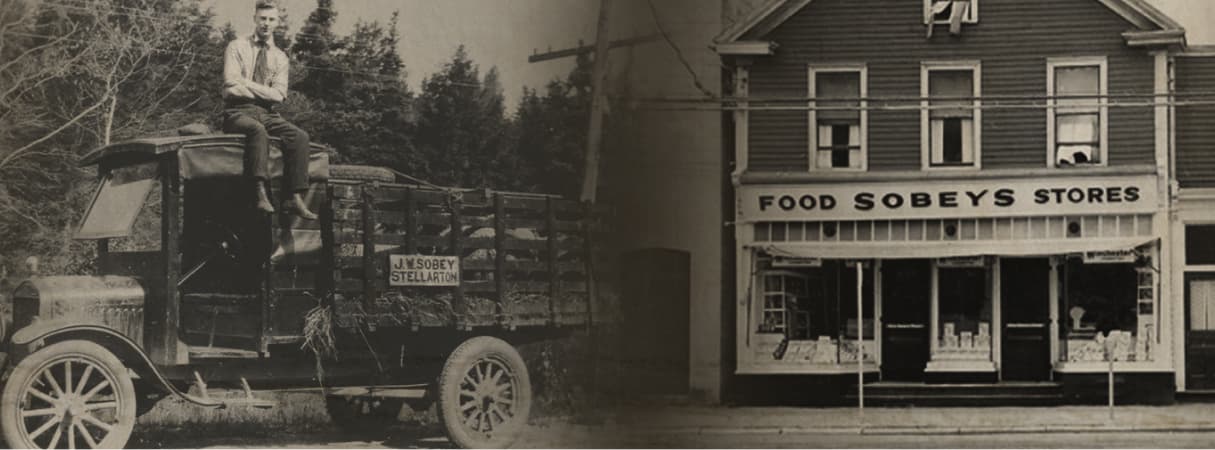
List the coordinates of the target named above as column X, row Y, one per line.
column 522, row 257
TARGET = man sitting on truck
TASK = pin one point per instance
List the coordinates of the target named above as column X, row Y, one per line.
column 255, row 80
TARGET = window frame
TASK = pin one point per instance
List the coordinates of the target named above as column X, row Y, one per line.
column 1102, row 111
column 813, row 70
column 765, row 291
column 972, row 15
column 926, row 69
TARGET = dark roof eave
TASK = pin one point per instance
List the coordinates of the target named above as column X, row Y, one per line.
column 1155, row 38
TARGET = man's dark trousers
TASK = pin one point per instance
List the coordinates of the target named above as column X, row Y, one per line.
column 258, row 123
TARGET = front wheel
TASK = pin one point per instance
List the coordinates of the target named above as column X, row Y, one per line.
column 73, row 394
column 485, row 394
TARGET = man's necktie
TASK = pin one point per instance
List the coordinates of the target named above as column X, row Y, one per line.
column 261, row 69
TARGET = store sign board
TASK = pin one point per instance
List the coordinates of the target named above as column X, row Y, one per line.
column 926, row 199
column 1110, row 257
column 962, row 262
column 793, row 261
column 423, row 270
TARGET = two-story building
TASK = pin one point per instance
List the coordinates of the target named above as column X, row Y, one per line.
column 976, row 191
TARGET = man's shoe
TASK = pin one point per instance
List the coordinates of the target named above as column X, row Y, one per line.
column 263, row 200
column 297, row 206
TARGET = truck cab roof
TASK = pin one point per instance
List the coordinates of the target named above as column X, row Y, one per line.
column 201, row 156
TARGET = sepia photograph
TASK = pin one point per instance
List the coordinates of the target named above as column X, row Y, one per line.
column 607, row 223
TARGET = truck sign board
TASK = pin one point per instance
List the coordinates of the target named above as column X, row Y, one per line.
column 423, row 270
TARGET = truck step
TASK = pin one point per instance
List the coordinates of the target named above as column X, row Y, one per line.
column 202, row 352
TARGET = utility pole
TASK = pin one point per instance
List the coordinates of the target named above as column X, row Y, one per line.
column 594, row 134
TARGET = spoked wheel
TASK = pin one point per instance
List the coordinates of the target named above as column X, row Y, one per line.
column 484, row 394
column 74, row 394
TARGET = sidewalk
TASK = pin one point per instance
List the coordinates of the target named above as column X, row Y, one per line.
column 702, row 420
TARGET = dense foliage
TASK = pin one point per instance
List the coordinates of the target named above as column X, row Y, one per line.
column 78, row 74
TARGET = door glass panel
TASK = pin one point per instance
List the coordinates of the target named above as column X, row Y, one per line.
column 1202, row 305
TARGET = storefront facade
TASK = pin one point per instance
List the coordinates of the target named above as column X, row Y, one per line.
column 959, row 200
column 990, row 279
column 1193, row 225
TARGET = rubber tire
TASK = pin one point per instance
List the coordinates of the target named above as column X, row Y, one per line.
column 361, row 173
column 347, row 416
column 452, row 375
column 32, row 366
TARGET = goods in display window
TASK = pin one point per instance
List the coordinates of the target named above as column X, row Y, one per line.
column 1109, row 301
column 806, row 315
column 964, row 345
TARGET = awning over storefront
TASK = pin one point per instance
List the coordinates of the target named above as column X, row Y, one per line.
column 947, row 249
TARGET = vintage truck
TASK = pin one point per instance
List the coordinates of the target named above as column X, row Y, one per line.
column 401, row 293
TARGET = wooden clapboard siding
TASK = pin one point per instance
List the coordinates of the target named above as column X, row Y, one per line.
column 1196, row 123
column 1013, row 39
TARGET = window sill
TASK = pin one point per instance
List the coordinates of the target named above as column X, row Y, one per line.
column 953, row 168
column 1119, row 366
column 790, row 368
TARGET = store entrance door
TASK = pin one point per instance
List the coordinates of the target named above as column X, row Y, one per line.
column 906, row 288
column 1200, row 331
column 1025, row 310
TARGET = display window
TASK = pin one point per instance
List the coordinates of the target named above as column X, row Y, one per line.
column 964, row 314
column 808, row 315
column 1108, row 301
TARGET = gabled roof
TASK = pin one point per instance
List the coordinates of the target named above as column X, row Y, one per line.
column 772, row 14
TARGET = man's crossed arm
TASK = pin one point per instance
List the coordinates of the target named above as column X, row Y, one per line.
column 236, row 85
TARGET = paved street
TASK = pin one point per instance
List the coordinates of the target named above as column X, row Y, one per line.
column 1179, row 426
column 565, row 439
column 1047, row 440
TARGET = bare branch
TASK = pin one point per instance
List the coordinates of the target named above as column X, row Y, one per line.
column 8, row 158
column 38, row 48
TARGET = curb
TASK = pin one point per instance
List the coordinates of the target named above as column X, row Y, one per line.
column 914, row 430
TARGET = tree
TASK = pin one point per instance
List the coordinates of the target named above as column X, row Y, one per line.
column 461, row 124
column 315, row 46
column 353, row 95
column 76, row 77
column 550, row 133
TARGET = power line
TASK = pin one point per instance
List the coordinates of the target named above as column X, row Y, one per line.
column 171, row 19
column 985, row 106
column 678, row 52
column 218, row 58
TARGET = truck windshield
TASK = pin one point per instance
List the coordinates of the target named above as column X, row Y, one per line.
column 121, row 196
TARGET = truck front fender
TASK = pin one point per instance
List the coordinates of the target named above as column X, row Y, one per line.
column 40, row 334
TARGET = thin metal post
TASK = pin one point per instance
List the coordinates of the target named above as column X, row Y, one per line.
column 1109, row 345
column 860, row 340
column 1110, row 380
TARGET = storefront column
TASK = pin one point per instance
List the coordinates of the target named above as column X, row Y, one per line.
column 877, row 311
column 1054, row 313
column 933, row 310
column 745, row 290
column 996, row 319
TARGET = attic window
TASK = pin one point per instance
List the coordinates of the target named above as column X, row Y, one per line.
column 942, row 11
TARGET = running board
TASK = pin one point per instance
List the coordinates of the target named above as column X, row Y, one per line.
column 408, row 392
column 204, row 399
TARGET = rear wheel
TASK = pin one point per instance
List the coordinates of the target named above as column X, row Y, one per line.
column 73, row 394
column 484, row 394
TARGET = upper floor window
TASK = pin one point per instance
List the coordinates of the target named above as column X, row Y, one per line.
column 838, row 121
column 947, row 11
column 1077, row 122
column 950, row 115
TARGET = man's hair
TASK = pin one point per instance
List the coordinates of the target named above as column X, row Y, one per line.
column 265, row 4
